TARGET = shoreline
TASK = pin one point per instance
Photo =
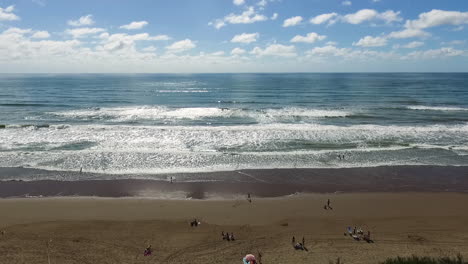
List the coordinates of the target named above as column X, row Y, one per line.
column 232, row 184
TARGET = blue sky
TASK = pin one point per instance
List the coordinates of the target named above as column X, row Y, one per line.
column 233, row 35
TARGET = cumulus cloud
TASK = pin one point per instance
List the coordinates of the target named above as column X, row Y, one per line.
column 413, row 45
column 275, row 50
column 437, row 18
column 135, row 25
column 309, row 38
column 346, row 3
column 245, row 38
column 126, row 42
column 434, row 53
column 369, row 41
column 292, row 21
column 274, row 16
column 347, row 53
column 238, row 51
column 328, row 50
column 323, row 18
column 408, row 33
column 41, row 35
column 82, row 21
column 6, row 14
column 238, row 2
column 454, row 42
column 149, row 49
column 249, row 16
column 364, row 15
column 83, row 32
column 181, row 46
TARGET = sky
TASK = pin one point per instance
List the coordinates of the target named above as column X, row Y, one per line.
column 191, row 36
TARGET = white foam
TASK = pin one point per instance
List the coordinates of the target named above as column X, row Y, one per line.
column 197, row 113
column 436, row 108
column 120, row 149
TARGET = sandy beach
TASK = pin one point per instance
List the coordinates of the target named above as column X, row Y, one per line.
column 117, row 230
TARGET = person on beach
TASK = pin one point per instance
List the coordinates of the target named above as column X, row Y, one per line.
column 303, row 241
column 81, row 170
column 293, row 240
column 232, row 237
column 148, row 251
column 248, row 198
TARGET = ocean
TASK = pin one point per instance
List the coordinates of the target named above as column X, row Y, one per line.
column 149, row 124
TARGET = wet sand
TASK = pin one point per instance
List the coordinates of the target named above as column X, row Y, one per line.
column 116, row 230
column 230, row 184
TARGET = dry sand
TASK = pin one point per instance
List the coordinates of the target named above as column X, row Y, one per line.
column 116, row 230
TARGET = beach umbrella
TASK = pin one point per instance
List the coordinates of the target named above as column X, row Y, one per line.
column 250, row 257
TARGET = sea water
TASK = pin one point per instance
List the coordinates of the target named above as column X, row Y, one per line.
column 167, row 123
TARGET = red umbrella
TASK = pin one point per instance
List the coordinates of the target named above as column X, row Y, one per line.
column 250, row 257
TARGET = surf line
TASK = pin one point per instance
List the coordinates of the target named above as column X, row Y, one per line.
column 251, row 176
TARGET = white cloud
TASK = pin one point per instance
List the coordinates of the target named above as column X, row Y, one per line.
column 135, row 25
column 435, row 53
column 149, row 49
column 7, row 15
column 390, row 16
column 276, row 50
column 238, row 2
column 274, row 16
column 249, row 16
column 83, row 32
column 262, row 3
column 412, row 45
column 323, row 18
column 41, row 35
column 364, row 15
column 346, row 3
column 375, row 1
column 217, row 53
column 309, row 38
column 331, row 43
column 292, row 21
column 16, row 31
column 245, row 38
column 347, row 53
column 82, row 21
column 369, row 41
column 124, row 42
column 328, row 50
column 408, row 33
column 437, row 18
column 181, row 46
column 454, row 42
column 160, row 37
column 237, row 51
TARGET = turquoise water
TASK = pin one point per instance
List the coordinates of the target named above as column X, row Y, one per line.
column 181, row 123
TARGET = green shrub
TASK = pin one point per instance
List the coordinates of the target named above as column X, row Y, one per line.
column 425, row 260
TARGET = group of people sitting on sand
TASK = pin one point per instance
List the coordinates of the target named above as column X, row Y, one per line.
column 298, row 245
column 358, row 234
column 227, row 236
column 195, row 223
